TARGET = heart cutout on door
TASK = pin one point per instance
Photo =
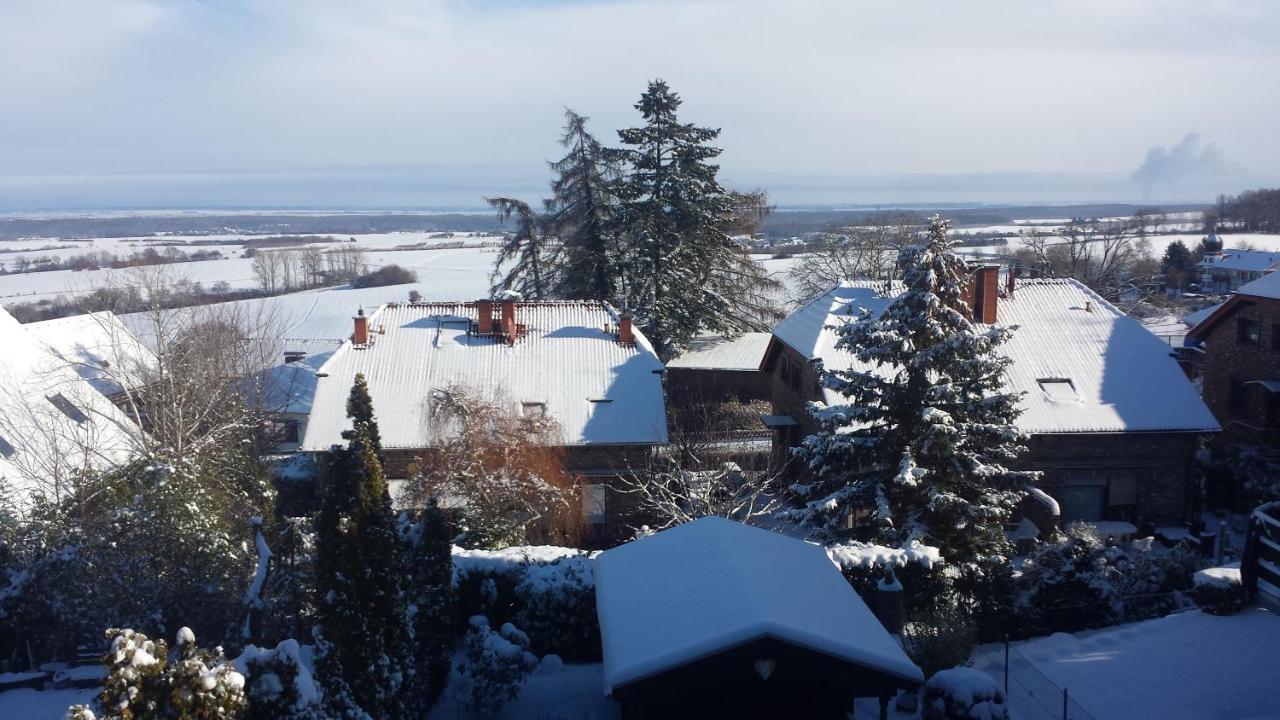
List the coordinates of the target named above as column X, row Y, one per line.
column 764, row 668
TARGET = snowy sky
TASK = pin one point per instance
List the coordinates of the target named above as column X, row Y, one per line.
column 431, row 103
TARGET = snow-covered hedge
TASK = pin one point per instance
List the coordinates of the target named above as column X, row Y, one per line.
column 963, row 694
column 1219, row 591
column 548, row 591
column 919, row 567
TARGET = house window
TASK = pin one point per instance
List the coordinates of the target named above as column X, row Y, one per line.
column 1273, row 409
column 5, row 448
column 1082, row 495
column 1237, row 399
column 61, row 402
column 533, row 409
column 1275, row 336
column 1122, row 495
column 1248, row 332
column 289, row 432
column 593, row 504
column 786, row 370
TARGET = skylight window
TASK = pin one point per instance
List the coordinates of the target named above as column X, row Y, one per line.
column 533, row 409
column 61, row 402
column 1058, row 389
column 6, row 449
column 600, row 400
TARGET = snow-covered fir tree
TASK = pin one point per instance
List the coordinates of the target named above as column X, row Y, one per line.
column 918, row 448
column 580, row 213
column 360, row 410
column 684, row 274
column 364, row 640
column 524, row 263
column 429, row 569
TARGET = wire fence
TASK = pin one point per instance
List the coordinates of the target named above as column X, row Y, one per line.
column 1032, row 695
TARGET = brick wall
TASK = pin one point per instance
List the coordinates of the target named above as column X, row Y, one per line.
column 1230, row 361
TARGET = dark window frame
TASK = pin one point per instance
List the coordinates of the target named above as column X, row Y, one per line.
column 1248, row 331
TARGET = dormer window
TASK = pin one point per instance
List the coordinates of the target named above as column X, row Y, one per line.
column 1058, row 389
column 6, row 450
column 61, row 402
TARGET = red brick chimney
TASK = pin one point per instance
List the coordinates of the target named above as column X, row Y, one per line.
column 983, row 291
column 361, row 334
column 484, row 311
column 508, row 319
column 625, row 335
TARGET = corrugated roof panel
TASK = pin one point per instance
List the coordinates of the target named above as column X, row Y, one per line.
column 713, row 352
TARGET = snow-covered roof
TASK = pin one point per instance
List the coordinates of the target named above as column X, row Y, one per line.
column 1243, row 260
column 1197, row 317
column 53, row 423
column 99, row 347
column 695, row 590
column 713, row 352
column 567, row 367
column 1081, row 370
column 1267, row 286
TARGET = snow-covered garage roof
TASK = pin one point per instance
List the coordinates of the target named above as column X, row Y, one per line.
column 598, row 390
column 713, row 352
column 708, row 586
column 1243, row 261
column 1082, row 364
column 53, row 423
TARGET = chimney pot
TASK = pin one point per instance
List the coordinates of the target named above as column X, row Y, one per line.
column 361, row 334
column 626, row 336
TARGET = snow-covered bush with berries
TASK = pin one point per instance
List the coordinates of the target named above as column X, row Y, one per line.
column 492, row 668
column 963, row 694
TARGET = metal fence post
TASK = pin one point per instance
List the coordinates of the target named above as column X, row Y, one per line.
column 1006, row 666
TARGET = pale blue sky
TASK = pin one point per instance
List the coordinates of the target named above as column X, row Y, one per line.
column 421, row 103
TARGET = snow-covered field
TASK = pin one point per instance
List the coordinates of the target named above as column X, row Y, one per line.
column 233, row 269
column 27, row 704
column 1188, row 666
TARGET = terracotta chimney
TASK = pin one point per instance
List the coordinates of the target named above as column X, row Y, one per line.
column 508, row 319
column 984, row 288
column 361, row 334
column 484, row 311
column 625, row 335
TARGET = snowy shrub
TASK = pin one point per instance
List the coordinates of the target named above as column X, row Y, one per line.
column 1150, row 583
column 963, row 694
column 938, row 639
column 279, row 684
column 493, row 667
column 429, row 568
column 557, row 608
column 79, row 712
column 144, row 682
column 1067, row 586
column 1219, row 591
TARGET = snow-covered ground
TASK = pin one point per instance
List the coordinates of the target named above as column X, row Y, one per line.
column 553, row 690
column 1187, row 666
column 232, row 268
column 27, row 704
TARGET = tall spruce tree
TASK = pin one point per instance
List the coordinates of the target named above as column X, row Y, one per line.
column 580, row 215
column 364, row 638
column 684, row 274
column 523, row 264
column 360, row 410
column 918, row 448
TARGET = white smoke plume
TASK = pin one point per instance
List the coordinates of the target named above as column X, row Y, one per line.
column 1187, row 162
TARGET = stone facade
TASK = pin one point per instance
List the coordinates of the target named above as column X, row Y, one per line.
column 1242, row 347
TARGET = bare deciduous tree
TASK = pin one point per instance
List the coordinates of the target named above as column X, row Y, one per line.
column 864, row 251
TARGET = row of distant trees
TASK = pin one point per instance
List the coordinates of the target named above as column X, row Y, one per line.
column 306, row 267
column 1250, row 211
column 646, row 226
column 103, row 259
